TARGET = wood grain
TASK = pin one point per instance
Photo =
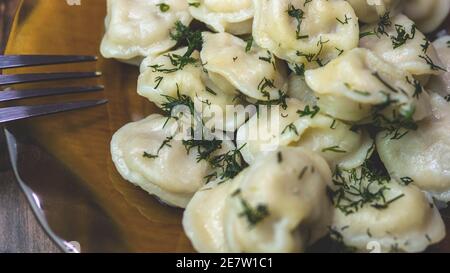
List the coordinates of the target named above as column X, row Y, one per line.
column 19, row 230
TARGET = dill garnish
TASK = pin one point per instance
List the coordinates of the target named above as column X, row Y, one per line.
column 406, row 180
column 299, row 69
column 334, row 149
column 163, row 7
column 302, row 173
column 366, row 185
column 165, row 143
column 281, row 101
column 380, row 28
column 230, row 164
column 254, row 215
column 291, row 127
column 249, row 45
column 402, row 35
column 345, row 21
column 308, row 111
column 149, row 156
column 194, row 4
column 279, row 157
column 298, row 15
column 173, row 102
column 184, row 36
column 204, row 148
column 264, row 84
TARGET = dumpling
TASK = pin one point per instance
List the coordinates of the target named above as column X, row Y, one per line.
column 164, row 79
column 279, row 204
column 149, row 154
column 252, row 70
column 203, row 220
column 405, row 47
column 298, row 89
column 304, row 126
column 441, row 83
column 394, row 228
column 160, row 77
column 374, row 214
column 370, row 11
column 305, row 32
column 422, row 156
column 139, row 28
column 428, row 14
column 233, row 16
column 358, row 86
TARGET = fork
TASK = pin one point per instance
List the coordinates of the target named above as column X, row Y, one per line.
column 9, row 114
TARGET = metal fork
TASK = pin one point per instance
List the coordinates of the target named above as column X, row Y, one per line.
column 9, row 114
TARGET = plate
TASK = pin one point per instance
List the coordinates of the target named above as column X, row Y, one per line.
column 63, row 161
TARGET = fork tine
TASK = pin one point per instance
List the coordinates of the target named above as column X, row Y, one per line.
column 22, row 112
column 36, row 77
column 23, row 94
column 12, row 61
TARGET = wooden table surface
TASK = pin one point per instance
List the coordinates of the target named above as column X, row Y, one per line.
column 19, row 229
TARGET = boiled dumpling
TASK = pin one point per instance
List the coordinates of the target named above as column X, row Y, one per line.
column 389, row 217
column 423, row 156
column 305, row 32
column 428, row 14
column 149, row 154
column 441, row 83
column 405, row 47
column 203, row 220
column 370, row 11
column 139, row 28
column 304, row 126
column 252, row 70
column 358, row 86
column 160, row 77
column 279, row 204
column 234, row 16
column 162, row 80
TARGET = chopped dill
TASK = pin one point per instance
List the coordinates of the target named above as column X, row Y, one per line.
column 380, row 28
column 357, row 188
column 172, row 103
column 254, row 215
column 302, row 173
column 334, row 149
column 279, row 157
column 149, row 156
column 298, row 15
column 308, row 111
column 204, row 148
column 249, row 44
column 291, row 127
column 230, row 164
column 163, row 7
column 402, row 35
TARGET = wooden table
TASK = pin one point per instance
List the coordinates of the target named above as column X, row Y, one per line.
column 19, row 230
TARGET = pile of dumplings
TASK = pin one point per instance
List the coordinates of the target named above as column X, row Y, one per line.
column 359, row 140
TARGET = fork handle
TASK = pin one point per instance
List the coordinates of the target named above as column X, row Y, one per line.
column 7, row 10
